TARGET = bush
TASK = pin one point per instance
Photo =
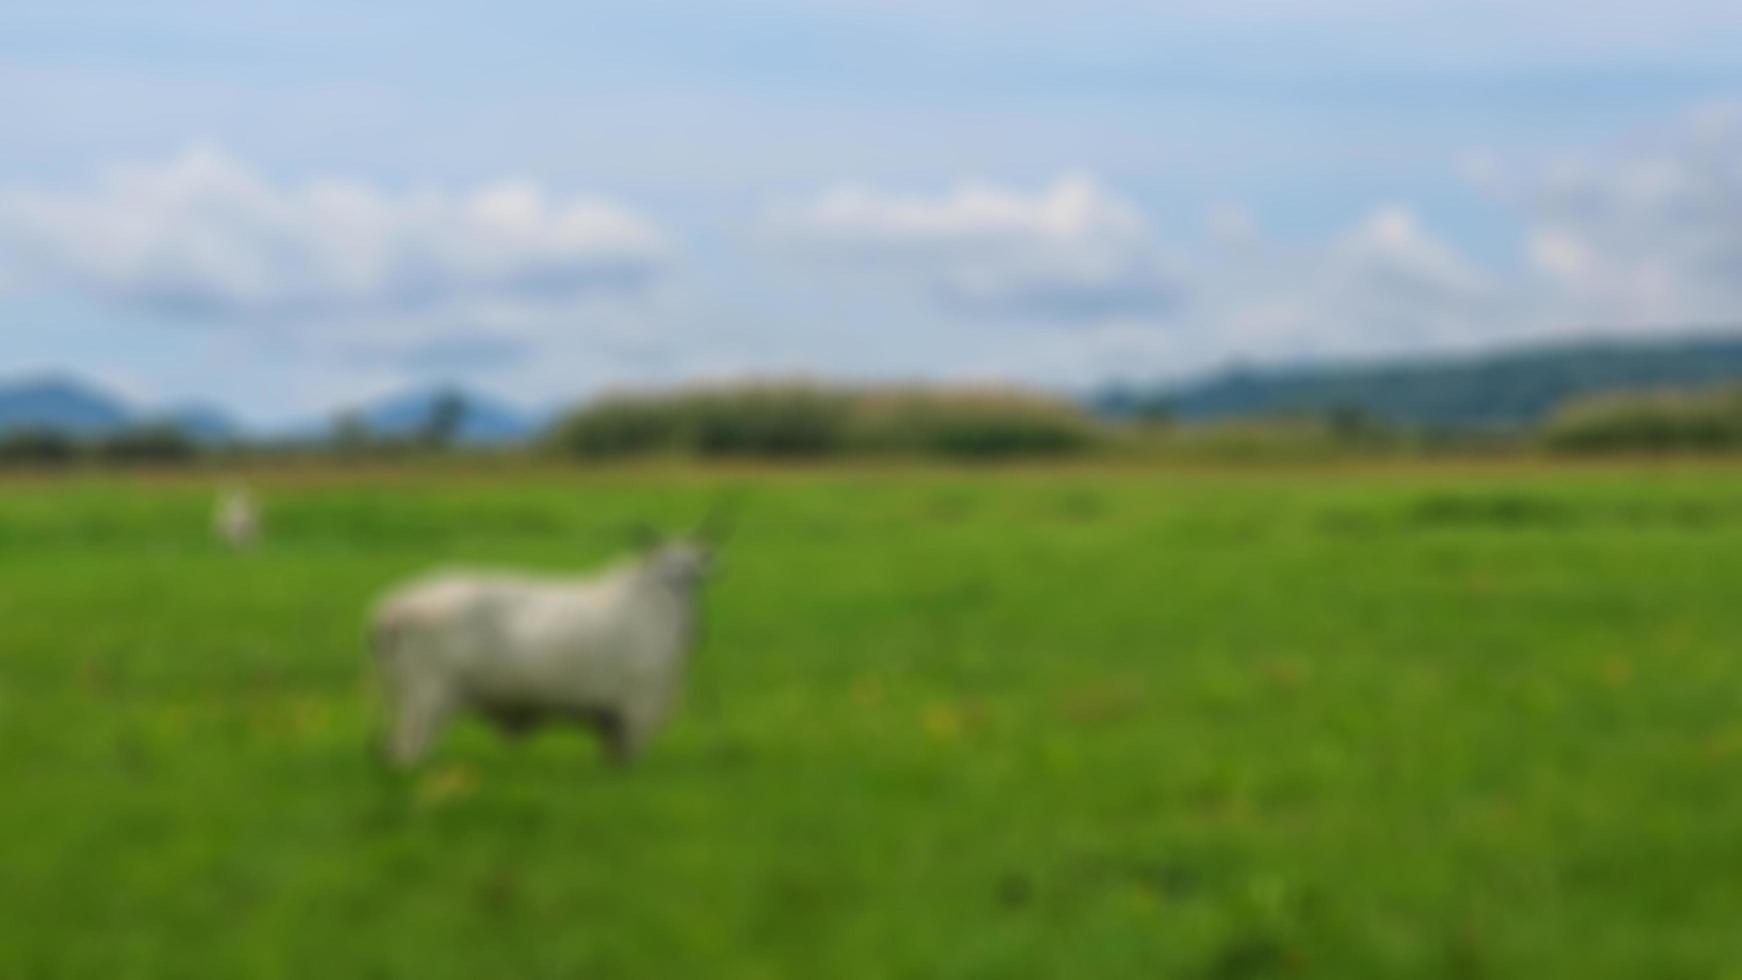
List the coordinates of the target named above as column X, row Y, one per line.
column 767, row 420
column 37, row 446
column 764, row 420
column 804, row 420
column 1255, row 440
column 1651, row 421
column 968, row 423
column 156, row 443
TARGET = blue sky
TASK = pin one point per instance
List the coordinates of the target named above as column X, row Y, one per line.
column 287, row 208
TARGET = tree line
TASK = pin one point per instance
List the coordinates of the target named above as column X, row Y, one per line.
column 804, row 420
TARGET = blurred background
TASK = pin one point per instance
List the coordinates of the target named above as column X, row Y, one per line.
column 1221, row 490
column 255, row 220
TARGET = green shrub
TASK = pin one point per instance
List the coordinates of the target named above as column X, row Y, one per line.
column 1254, row 440
column 767, row 420
column 1649, row 421
column 761, row 420
column 37, row 446
column 797, row 419
column 965, row 422
column 620, row 425
column 154, row 443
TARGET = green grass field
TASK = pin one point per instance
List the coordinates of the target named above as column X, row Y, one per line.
column 998, row 723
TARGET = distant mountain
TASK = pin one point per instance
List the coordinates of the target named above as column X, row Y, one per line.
column 1501, row 389
column 1506, row 388
column 64, row 404
column 483, row 420
column 61, row 404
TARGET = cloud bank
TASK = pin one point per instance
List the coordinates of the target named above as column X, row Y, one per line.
column 1651, row 237
column 1076, row 254
column 203, row 237
column 1637, row 237
column 1066, row 282
column 1071, row 252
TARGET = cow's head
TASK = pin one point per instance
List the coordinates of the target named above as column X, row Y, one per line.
column 681, row 562
column 686, row 559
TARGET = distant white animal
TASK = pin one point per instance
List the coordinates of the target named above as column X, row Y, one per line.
column 236, row 521
column 607, row 651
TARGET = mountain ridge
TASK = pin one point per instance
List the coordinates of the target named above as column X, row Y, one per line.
column 1494, row 389
column 1497, row 388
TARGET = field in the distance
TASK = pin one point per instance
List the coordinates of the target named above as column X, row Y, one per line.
column 946, row 724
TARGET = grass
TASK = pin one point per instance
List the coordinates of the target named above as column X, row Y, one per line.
column 1075, row 722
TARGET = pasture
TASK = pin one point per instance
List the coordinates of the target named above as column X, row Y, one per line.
column 1084, row 721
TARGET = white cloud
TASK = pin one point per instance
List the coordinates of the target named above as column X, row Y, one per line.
column 1649, row 237
column 1385, row 284
column 1072, row 252
column 1077, row 253
column 203, row 236
column 1065, row 282
column 1644, row 236
column 1391, row 283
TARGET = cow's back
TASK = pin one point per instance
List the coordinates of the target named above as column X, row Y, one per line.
column 505, row 638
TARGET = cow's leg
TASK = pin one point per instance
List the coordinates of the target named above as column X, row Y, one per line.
column 420, row 709
column 607, row 725
column 629, row 729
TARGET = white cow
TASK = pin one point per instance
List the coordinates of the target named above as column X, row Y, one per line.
column 236, row 521
column 607, row 651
